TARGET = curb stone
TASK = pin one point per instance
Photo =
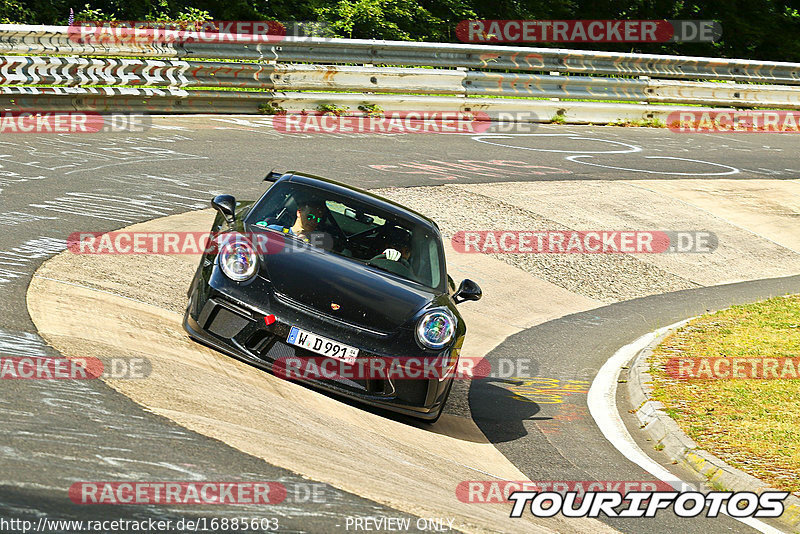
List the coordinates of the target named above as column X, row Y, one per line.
column 664, row 431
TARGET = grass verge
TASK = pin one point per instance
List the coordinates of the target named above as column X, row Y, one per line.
column 753, row 424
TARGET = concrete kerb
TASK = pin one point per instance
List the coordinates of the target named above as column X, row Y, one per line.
column 180, row 101
column 665, row 432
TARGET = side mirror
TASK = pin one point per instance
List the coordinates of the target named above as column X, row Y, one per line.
column 468, row 290
column 226, row 205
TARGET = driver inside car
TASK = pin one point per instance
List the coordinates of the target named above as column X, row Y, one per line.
column 310, row 213
column 396, row 257
column 309, row 216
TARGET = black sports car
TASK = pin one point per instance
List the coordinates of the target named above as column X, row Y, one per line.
column 335, row 287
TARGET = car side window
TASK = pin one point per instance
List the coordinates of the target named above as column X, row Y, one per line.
column 434, row 269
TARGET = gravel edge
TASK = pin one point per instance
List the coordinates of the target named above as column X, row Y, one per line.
column 665, row 432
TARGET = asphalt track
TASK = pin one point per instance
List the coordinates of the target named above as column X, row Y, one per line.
column 51, row 186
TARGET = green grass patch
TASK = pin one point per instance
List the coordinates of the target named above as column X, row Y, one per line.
column 641, row 123
column 371, row 110
column 268, row 108
column 753, row 424
column 331, row 109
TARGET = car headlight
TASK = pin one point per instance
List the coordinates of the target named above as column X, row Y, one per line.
column 436, row 328
column 237, row 259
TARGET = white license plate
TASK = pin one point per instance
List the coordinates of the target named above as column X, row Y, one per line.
column 322, row 345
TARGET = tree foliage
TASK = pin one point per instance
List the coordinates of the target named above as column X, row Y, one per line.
column 752, row 29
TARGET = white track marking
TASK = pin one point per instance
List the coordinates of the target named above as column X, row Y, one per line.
column 602, row 400
column 21, row 344
column 629, row 150
column 733, row 170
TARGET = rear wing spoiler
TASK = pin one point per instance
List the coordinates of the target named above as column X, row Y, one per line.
column 273, row 176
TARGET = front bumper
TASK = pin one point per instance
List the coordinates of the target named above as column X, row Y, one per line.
column 219, row 316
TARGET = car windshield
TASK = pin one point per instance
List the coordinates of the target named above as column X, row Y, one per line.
column 356, row 230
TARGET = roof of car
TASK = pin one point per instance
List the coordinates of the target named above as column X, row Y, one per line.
column 359, row 194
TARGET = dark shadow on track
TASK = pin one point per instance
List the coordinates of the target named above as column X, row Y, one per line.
column 500, row 414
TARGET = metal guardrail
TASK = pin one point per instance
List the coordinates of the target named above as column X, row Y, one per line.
column 53, row 40
column 79, row 71
column 50, row 56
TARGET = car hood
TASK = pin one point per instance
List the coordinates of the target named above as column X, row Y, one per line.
column 344, row 289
